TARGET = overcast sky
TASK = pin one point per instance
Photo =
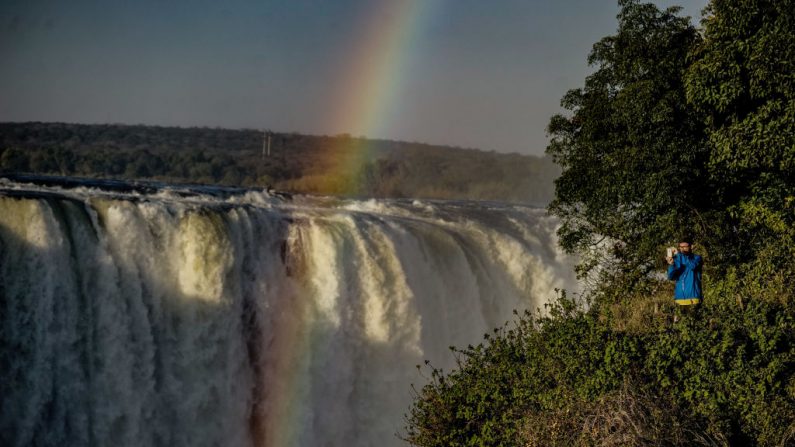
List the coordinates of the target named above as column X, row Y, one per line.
column 486, row 74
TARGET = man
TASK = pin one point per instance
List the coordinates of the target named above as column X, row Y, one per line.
column 685, row 268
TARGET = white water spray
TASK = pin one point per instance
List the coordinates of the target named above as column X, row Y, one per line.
column 185, row 318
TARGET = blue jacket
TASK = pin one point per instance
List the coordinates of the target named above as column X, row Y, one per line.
column 686, row 270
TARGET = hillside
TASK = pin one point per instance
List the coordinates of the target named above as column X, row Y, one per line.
column 333, row 165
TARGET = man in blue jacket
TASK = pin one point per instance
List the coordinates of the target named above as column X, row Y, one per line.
column 685, row 268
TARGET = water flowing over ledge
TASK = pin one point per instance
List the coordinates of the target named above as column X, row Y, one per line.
column 189, row 316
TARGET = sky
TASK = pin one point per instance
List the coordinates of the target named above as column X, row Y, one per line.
column 484, row 74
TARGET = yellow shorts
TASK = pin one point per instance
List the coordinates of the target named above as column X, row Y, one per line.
column 688, row 301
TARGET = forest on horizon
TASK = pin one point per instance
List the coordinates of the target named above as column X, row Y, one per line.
column 327, row 165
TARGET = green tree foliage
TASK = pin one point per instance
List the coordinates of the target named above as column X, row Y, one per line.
column 426, row 171
column 742, row 82
column 632, row 150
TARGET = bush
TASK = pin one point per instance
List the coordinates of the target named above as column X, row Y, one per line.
column 572, row 378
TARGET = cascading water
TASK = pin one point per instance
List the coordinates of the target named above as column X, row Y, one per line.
column 167, row 316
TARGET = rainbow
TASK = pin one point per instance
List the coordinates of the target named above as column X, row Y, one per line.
column 364, row 105
column 374, row 77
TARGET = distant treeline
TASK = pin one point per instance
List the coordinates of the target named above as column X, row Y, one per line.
column 335, row 165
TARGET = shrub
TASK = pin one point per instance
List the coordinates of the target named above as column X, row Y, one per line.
column 721, row 377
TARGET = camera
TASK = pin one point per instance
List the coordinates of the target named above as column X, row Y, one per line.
column 670, row 252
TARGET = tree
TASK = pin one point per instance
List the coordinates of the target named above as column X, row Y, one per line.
column 14, row 160
column 742, row 82
column 632, row 150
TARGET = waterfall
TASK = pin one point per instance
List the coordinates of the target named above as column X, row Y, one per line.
column 176, row 316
